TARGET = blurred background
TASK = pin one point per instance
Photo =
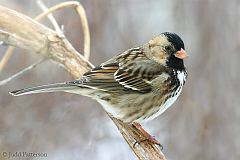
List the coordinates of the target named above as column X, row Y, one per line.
column 204, row 123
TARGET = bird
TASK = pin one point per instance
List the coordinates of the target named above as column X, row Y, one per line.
column 135, row 86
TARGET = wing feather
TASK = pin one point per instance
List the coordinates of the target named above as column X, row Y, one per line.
column 126, row 71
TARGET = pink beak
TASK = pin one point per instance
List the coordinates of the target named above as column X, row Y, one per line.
column 181, row 54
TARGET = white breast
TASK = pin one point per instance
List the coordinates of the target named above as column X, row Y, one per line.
column 182, row 78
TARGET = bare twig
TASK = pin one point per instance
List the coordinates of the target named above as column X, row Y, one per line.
column 14, row 39
column 5, row 81
column 28, row 34
column 50, row 17
column 81, row 12
column 6, row 57
column 48, row 12
column 10, row 49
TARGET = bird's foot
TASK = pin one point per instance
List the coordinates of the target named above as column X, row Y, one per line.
column 147, row 136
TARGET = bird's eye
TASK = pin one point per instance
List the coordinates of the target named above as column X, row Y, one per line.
column 167, row 48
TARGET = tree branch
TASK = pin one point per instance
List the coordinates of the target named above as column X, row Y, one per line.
column 20, row 73
column 28, row 34
column 21, row 31
column 81, row 12
column 6, row 57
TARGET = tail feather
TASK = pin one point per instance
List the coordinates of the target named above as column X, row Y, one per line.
column 44, row 88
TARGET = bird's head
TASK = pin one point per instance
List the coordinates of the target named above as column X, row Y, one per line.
column 168, row 50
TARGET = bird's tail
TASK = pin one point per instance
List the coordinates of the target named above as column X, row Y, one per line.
column 45, row 88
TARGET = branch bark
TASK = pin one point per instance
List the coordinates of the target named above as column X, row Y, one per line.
column 21, row 31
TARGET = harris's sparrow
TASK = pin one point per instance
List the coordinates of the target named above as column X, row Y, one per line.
column 135, row 86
